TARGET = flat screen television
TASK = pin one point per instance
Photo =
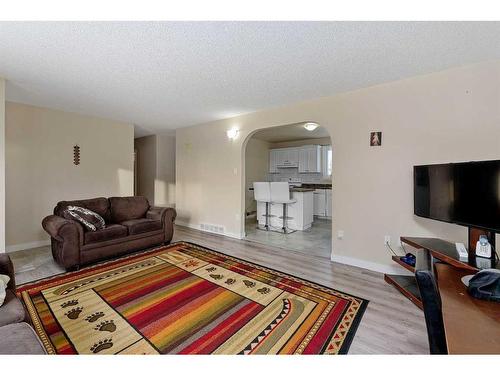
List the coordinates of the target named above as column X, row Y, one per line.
column 461, row 193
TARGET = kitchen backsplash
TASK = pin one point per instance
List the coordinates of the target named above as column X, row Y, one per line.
column 292, row 174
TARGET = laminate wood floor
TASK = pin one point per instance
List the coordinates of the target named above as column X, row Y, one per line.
column 390, row 325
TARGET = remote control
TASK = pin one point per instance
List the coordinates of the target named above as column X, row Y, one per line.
column 461, row 250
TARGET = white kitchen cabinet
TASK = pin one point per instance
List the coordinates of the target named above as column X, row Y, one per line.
column 273, row 161
column 285, row 157
column 319, row 202
column 328, row 203
column 322, row 202
column 310, row 159
column 306, row 158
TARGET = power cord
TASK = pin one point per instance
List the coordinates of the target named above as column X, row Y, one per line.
column 389, row 246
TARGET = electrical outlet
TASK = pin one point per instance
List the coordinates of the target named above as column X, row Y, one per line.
column 340, row 234
column 387, row 240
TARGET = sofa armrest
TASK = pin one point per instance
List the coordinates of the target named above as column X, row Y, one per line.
column 156, row 213
column 7, row 268
column 67, row 240
column 167, row 216
column 62, row 229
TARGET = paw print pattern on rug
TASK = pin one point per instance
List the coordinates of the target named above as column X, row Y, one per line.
column 94, row 317
column 74, row 313
column 249, row 284
column 216, row 277
column 230, row 281
column 264, row 290
column 106, row 325
column 101, row 345
column 72, row 302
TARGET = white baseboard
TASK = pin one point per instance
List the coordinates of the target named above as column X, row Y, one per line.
column 26, row 246
column 197, row 227
column 372, row 266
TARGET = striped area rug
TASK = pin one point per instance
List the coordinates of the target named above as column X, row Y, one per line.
column 187, row 299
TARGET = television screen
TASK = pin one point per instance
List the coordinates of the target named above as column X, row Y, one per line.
column 461, row 193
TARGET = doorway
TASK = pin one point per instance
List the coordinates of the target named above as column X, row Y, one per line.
column 303, row 158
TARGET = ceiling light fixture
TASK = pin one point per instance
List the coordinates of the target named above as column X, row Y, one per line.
column 232, row 133
column 310, row 126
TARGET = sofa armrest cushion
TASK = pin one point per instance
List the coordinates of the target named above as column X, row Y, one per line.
column 161, row 213
column 156, row 213
column 7, row 268
column 62, row 229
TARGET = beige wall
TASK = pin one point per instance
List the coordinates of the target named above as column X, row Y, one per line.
column 156, row 169
column 2, row 165
column 448, row 116
column 256, row 168
column 145, row 148
column 40, row 170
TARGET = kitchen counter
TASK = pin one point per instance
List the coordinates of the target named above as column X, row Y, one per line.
column 316, row 186
column 300, row 212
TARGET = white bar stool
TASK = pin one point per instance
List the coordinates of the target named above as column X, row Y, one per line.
column 262, row 193
column 280, row 193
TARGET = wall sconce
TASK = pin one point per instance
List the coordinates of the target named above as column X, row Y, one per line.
column 232, row 133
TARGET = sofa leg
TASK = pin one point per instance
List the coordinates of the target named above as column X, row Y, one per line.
column 74, row 268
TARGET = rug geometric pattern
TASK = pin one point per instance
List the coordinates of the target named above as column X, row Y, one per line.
column 187, row 299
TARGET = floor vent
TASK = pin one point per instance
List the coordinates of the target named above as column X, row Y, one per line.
column 212, row 228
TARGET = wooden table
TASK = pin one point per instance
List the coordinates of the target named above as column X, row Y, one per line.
column 472, row 326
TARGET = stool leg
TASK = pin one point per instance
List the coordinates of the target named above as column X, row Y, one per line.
column 267, row 216
column 284, row 218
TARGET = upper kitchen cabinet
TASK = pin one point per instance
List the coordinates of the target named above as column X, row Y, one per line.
column 306, row 158
column 310, row 159
column 283, row 158
column 273, row 161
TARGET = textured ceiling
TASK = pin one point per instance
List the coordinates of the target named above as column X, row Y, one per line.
column 166, row 75
column 293, row 132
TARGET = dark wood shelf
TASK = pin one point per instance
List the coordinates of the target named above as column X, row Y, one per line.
column 447, row 252
column 397, row 259
column 407, row 285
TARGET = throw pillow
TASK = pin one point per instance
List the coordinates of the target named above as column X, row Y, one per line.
column 89, row 219
column 4, row 280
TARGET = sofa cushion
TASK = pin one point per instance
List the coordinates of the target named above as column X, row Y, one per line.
column 98, row 205
column 137, row 226
column 111, row 232
column 128, row 208
column 12, row 310
column 89, row 219
column 19, row 338
column 4, row 281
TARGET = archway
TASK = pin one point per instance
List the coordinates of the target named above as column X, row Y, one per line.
column 311, row 186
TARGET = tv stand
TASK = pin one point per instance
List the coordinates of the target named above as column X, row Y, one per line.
column 441, row 250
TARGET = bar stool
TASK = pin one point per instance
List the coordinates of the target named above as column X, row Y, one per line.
column 262, row 193
column 280, row 194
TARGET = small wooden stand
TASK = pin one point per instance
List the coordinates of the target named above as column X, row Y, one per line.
column 439, row 249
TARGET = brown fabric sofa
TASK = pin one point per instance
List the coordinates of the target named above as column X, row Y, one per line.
column 131, row 225
column 12, row 310
column 16, row 336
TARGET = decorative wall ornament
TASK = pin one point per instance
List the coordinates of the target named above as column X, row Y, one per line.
column 376, row 139
column 76, row 155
